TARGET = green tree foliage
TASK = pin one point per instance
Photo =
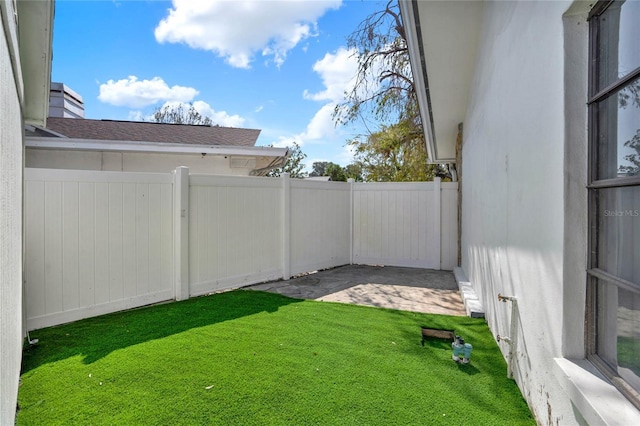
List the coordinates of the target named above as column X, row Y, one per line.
column 294, row 165
column 336, row 172
column 354, row 171
column 319, row 168
column 180, row 114
column 393, row 154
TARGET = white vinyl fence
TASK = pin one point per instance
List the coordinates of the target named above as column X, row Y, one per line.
column 99, row 242
column 95, row 242
column 235, row 229
column 406, row 224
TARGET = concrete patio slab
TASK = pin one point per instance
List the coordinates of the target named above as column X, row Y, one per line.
column 407, row 289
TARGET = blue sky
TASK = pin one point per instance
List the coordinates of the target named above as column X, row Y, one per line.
column 278, row 66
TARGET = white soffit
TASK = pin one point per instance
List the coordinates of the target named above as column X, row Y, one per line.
column 442, row 38
column 36, row 26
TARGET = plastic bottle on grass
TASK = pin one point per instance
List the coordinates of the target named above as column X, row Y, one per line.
column 461, row 350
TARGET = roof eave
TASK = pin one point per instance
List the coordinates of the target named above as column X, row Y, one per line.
column 38, row 142
column 442, row 41
column 419, row 71
column 35, row 34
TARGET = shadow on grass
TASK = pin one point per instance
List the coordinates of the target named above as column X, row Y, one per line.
column 94, row 338
column 469, row 369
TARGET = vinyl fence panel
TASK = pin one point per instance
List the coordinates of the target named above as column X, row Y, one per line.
column 235, row 231
column 400, row 224
column 320, row 225
column 96, row 242
column 449, row 226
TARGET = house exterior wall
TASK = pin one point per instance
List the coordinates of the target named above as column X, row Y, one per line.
column 136, row 162
column 513, row 192
column 10, row 219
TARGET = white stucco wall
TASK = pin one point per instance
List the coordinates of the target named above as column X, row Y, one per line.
column 524, row 204
column 10, row 224
column 136, row 162
column 513, row 190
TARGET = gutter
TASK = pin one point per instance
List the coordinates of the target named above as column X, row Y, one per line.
column 39, row 142
column 411, row 22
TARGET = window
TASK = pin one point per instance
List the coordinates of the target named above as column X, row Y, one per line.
column 613, row 311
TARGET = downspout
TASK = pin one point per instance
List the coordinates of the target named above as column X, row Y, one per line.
column 512, row 338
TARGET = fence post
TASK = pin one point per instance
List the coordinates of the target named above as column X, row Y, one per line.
column 181, row 232
column 286, row 226
column 351, row 181
column 437, row 208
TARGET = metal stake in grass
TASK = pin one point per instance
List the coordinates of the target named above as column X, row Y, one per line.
column 31, row 342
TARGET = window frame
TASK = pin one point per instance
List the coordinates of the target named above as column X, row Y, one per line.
column 596, row 276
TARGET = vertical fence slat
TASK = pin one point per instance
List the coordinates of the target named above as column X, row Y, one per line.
column 129, row 250
column 437, row 226
column 101, row 200
column 87, row 238
column 181, row 232
column 35, row 248
column 116, row 244
column 70, row 249
column 286, row 226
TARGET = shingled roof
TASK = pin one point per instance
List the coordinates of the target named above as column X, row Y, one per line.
column 152, row 132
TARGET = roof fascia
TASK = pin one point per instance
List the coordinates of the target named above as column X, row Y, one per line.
column 419, row 70
column 43, row 142
column 35, row 27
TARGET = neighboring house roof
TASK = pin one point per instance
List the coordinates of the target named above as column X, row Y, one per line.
column 144, row 137
column 140, row 131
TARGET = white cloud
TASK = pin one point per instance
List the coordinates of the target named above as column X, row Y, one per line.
column 285, row 142
column 321, row 125
column 137, row 116
column 221, row 118
column 320, row 129
column 346, row 155
column 237, row 30
column 134, row 93
column 337, row 71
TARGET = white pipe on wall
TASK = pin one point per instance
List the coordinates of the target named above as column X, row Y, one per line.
column 511, row 339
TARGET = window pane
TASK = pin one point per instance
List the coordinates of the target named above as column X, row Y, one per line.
column 618, row 221
column 618, row 47
column 629, row 337
column 618, row 136
column 619, row 331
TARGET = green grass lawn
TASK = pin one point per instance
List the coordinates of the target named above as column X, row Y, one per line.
column 248, row 357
